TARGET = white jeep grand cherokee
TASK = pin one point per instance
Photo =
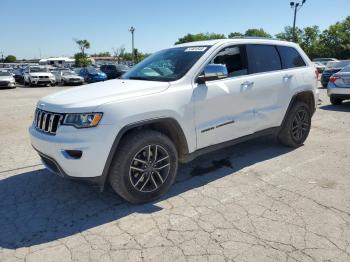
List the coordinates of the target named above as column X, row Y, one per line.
column 173, row 106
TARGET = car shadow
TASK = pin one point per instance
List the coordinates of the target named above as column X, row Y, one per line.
column 38, row 207
column 343, row 107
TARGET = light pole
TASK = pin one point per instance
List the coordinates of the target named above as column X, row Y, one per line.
column 132, row 30
column 296, row 6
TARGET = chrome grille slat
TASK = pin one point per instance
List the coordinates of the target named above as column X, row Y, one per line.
column 47, row 122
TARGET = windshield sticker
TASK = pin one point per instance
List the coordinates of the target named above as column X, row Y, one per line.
column 195, row 49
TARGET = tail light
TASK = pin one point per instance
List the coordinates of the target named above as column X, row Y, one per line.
column 332, row 79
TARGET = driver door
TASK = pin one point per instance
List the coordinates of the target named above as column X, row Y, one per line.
column 223, row 108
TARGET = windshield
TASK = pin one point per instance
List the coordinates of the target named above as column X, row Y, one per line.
column 66, row 73
column 38, row 69
column 167, row 65
column 92, row 70
column 3, row 73
column 340, row 64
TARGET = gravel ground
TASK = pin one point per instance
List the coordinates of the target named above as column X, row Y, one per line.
column 256, row 201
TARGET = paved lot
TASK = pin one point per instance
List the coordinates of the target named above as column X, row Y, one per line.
column 256, row 201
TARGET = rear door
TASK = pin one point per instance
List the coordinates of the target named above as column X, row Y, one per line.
column 269, row 84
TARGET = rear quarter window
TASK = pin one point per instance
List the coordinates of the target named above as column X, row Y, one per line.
column 290, row 57
column 263, row 58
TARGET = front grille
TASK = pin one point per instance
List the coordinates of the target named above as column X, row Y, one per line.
column 4, row 83
column 47, row 122
column 43, row 77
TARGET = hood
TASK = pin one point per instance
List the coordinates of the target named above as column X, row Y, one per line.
column 41, row 74
column 72, row 76
column 86, row 98
column 6, row 78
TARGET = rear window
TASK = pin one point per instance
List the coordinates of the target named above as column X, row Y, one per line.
column 263, row 58
column 290, row 57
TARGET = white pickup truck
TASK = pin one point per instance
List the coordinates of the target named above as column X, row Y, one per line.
column 173, row 106
column 38, row 75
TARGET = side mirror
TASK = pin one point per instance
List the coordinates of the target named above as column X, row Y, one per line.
column 212, row 72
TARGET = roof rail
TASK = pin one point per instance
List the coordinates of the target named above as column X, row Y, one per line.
column 256, row 37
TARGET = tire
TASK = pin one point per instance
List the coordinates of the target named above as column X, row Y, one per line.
column 31, row 84
column 336, row 101
column 138, row 181
column 296, row 127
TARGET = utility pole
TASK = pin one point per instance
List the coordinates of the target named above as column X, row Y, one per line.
column 132, row 30
column 296, row 6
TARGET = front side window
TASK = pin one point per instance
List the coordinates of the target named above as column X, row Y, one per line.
column 235, row 60
column 290, row 57
column 167, row 65
column 263, row 58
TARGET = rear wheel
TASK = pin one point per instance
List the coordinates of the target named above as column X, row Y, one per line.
column 297, row 125
column 144, row 167
column 336, row 101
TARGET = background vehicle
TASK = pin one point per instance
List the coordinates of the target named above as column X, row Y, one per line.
column 91, row 74
column 324, row 61
column 6, row 79
column 38, row 75
column 114, row 71
column 173, row 106
column 71, row 78
column 338, row 88
column 19, row 75
column 332, row 68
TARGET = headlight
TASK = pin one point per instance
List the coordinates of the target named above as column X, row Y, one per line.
column 82, row 120
column 33, row 77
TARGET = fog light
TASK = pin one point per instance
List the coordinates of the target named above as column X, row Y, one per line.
column 75, row 154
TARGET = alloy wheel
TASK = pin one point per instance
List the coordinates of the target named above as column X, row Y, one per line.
column 300, row 124
column 149, row 168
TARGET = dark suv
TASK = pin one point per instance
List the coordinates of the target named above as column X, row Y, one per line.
column 114, row 71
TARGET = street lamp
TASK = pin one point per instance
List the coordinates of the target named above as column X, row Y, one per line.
column 132, row 30
column 296, row 6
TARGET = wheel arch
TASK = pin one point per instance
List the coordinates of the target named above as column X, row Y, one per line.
column 303, row 96
column 167, row 126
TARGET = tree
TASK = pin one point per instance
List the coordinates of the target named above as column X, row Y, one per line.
column 199, row 37
column 335, row 41
column 310, row 41
column 101, row 54
column 83, row 44
column 234, row 34
column 10, row 59
column 257, row 32
column 119, row 53
column 81, row 60
column 287, row 34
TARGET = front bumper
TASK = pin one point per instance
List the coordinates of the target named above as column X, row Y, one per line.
column 7, row 84
column 39, row 81
column 95, row 144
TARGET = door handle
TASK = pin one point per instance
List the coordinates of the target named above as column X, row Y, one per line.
column 287, row 77
column 246, row 85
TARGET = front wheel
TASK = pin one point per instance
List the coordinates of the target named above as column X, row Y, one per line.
column 144, row 166
column 296, row 126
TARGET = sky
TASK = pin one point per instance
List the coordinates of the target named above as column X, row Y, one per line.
column 46, row 28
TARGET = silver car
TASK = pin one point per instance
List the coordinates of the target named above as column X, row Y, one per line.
column 338, row 88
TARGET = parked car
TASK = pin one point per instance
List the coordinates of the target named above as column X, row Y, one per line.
column 57, row 72
column 338, row 88
column 332, row 68
column 19, row 75
column 324, row 61
column 114, row 71
column 71, row 78
column 38, row 76
column 6, row 79
column 91, row 74
column 173, row 106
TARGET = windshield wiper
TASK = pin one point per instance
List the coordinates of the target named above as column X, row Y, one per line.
column 139, row 78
